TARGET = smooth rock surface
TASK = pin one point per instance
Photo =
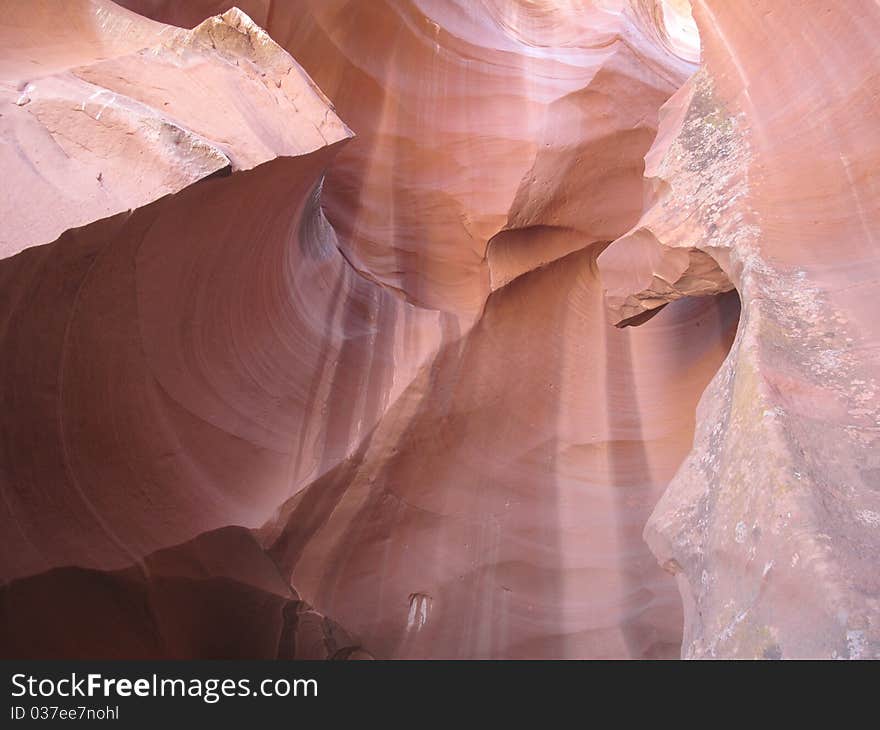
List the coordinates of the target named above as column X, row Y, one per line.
column 493, row 137
column 320, row 360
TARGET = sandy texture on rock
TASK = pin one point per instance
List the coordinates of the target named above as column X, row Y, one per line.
column 765, row 181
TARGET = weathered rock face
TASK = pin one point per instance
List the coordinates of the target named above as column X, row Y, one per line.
column 258, row 371
column 164, row 369
column 493, row 136
column 765, row 169
column 106, row 111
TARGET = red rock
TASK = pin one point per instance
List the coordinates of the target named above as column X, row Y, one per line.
column 763, row 173
column 291, row 371
column 482, row 128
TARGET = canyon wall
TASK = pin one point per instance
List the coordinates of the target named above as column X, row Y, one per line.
column 764, row 174
column 308, row 343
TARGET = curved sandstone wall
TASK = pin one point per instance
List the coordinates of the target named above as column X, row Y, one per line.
column 308, row 347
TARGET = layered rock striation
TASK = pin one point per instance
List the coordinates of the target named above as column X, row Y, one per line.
column 320, row 360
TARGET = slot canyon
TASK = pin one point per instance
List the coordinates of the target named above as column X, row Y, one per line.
column 440, row 329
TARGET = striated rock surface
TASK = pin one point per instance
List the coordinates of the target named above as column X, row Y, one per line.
column 496, row 509
column 164, row 369
column 291, row 371
column 493, row 137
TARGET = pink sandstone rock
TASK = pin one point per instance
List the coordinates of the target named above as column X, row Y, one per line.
column 333, row 373
column 133, row 438
column 763, row 173
column 95, row 126
column 483, row 127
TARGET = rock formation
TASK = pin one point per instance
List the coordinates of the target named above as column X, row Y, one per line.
column 763, row 172
column 319, row 360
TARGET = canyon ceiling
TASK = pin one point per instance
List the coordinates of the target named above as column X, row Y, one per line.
column 440, row 329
